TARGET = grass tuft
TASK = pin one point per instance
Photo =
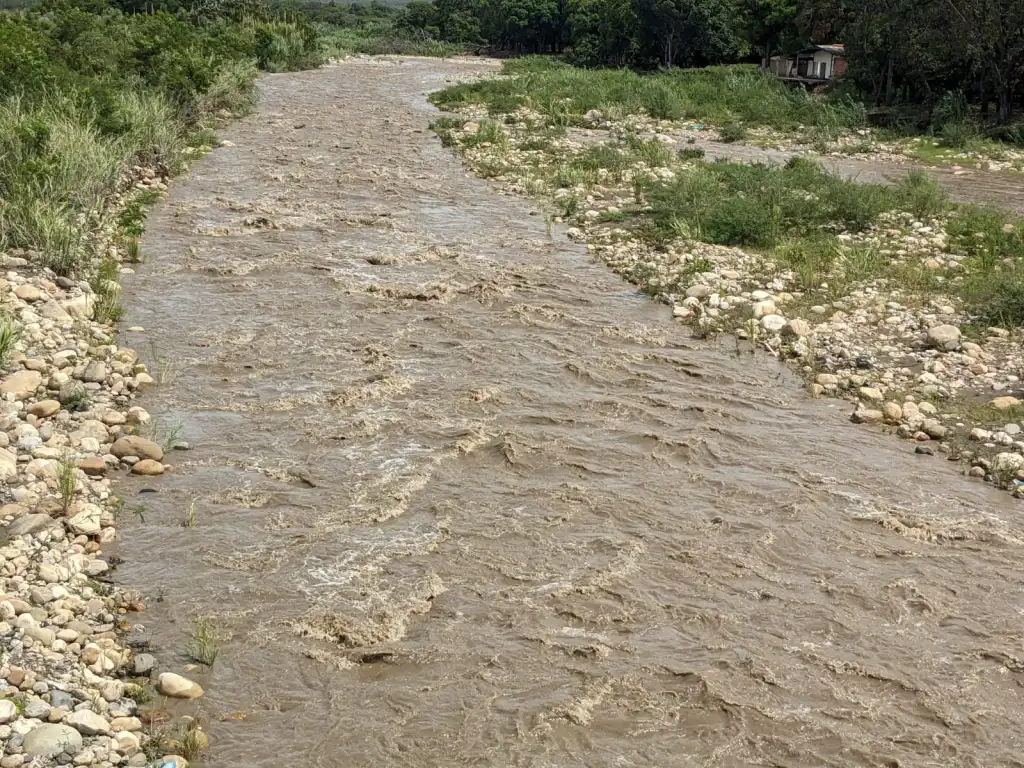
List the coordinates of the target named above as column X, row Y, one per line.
column 190, row 516
column 67, row 481
column 204, row 645
column 9, row 336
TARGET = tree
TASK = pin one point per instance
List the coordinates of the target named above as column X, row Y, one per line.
column 603, row 32
column 688, row 32
column 766, row 22
column 993, row 32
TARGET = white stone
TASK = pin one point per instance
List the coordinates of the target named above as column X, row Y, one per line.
column 1008, row 462
column 8, row 465
column 176, row 686
column 87, row 722
column 49, row 740
column 86, row 522
column 944, row 337
column 8, row 711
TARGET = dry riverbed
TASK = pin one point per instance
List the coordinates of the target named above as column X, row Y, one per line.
column 879, row 321
column 74, row 672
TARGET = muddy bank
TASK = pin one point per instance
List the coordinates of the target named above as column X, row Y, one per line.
column 463, row 497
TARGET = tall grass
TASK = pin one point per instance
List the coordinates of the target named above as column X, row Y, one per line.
column 87, row 91
column 283, row 46
column 717, row 95
column 9, row 336
column 204, row 645
column 56, row 169
column 232, row 91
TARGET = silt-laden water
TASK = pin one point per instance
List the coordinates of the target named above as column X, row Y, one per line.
column 464, row 498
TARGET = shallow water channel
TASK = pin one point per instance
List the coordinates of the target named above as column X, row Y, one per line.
column 464, row 498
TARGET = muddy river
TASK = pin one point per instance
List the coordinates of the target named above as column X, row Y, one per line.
column 464, row 498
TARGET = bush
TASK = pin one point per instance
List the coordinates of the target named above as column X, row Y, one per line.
column 922, row 195
column 90, row 87
column 732, row 132
column 763, row 205
column 996, row 297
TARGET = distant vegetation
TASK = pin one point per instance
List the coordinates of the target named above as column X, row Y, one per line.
column 353, row 28
column 959, row 63
column 722, row 96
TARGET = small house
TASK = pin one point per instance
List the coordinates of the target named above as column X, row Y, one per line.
column 816, row 64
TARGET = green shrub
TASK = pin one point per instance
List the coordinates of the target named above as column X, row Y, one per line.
column 732, row 132
column 959, row 135
column 922, row 195
column 285, row 46
column 90, row 87
column 661, row 101
column 996, row 297
column 762, row 205
column 987, row 235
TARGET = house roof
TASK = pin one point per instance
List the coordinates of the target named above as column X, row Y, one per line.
column 836, row 49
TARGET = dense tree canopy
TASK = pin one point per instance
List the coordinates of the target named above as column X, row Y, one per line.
column 925, row 52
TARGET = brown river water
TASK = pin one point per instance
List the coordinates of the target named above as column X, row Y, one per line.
column 464, row 498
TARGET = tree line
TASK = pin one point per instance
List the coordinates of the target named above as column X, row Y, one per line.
column 898, row 51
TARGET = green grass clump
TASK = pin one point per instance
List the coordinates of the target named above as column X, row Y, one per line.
column 107, row 292
column 9, row 336
column 993, row 240
column 732, row 132
column 138, row 693
column 67, row 482
column 762, row 205
column 381, row 39
column 204, row 645
column 56, row 169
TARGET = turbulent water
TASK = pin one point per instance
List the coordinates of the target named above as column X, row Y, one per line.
column 463, row 498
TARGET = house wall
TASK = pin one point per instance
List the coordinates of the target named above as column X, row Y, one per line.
column 786, row 66
column 781, row 65
column 822, row 57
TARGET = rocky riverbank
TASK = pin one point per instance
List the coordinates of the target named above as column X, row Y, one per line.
column 74, row 674
column 878, row 320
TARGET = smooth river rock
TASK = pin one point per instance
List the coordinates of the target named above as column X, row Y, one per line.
column 87, row 722
column 944, row 337
column 86, row 522
column 1002, row 403
column 21, row 384
column 178, row 687
column 44, row 408
column 147, row 467
column 133, row 445
column 50, row 740
column 30, row 524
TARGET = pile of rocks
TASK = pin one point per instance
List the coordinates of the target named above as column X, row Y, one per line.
column 67, row 425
